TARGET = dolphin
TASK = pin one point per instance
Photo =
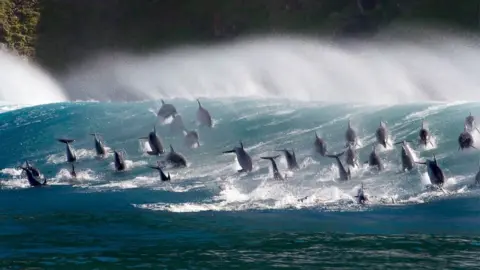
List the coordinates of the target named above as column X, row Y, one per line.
column 71, row 157
column 73, row 173
column 243, row 158
column 351, row 156
column 407, row 156
column 381, row 134
column 374, row 160
column 166, row 111
column 361, row 196
column 470, row 123
column 465, row 140
column 119, row 159
column 99, row 147
column 424, row 135
column 163, row 177
column 177, row 125
column 291, row 159
column 34, row 170
column 435, row 173
column 155, row 143
column 33, row 180
column 320, row 145
column 276, row 173
column 191, row 138
column 351, row 135
column 344, row 174
column 176, row 159
column 203, row 116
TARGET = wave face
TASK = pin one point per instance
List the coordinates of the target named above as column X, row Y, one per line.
column 209, row 212
column 422, row 67
column 23, row 83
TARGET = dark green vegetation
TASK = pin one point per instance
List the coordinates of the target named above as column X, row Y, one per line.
column 70, row 30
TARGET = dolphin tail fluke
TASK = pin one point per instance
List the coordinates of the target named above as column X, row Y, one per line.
column 336, row 155
column 168, row 176
column 270, row 158
column 67, row 141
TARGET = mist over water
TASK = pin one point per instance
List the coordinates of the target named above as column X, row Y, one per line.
column 22, row 82
column 387, row 71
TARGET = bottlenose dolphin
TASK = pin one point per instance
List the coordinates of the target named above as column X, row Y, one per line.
column 203, row 116
column 73, row 173
column 176, row 159
column 465, row 140
column 470, row 123
column 320, row 145
column 361, row 196
column 344, row 174
column 374, row 160
column 177, row 125
column 34, row 181
column 191, row 138
column 155, row 143
column 166, row 110
column 407, row 156
column 382, row 134
column 424, row 135
column 351, row 156
column 291, row 159
column 71, row 157
column 276, row 173
column 119, row 159
column 99, row 147
column 163, row 177
column 435, row 173
column 351, row 135
column 243, row 158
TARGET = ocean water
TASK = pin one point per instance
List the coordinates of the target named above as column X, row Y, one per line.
column 211, row 217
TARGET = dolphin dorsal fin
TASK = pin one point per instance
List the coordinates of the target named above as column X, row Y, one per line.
column 434, row 159
column 163, row 102
column 349, row 124
column 171, row 149
column 199, row 104
column 241, row 144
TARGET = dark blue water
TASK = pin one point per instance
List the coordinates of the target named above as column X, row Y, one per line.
column 211, row 217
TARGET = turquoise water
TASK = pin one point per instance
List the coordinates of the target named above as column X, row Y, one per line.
column 211, row 217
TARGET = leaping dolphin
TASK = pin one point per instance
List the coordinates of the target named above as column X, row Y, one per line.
column 155, row 143
column 243, row 158
column 344, row 174
column 435, row 173
column 424, row 135
column 99, row 147
column 33, row 179
column 470, row 123
column 291, row 159
column 203, row 116
column 351, row 156
column 351, row 135
column 191, row 138
column 163, row 177
column 276, row 173
column 361, row 196
column 382, row 134
column 71, row 156
column 374, row 160
column 320, row 145
column 166, row 111
column 119, row 160
column 34, row 170
column 407, row 156
column 176, row 159
column 465, row 140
